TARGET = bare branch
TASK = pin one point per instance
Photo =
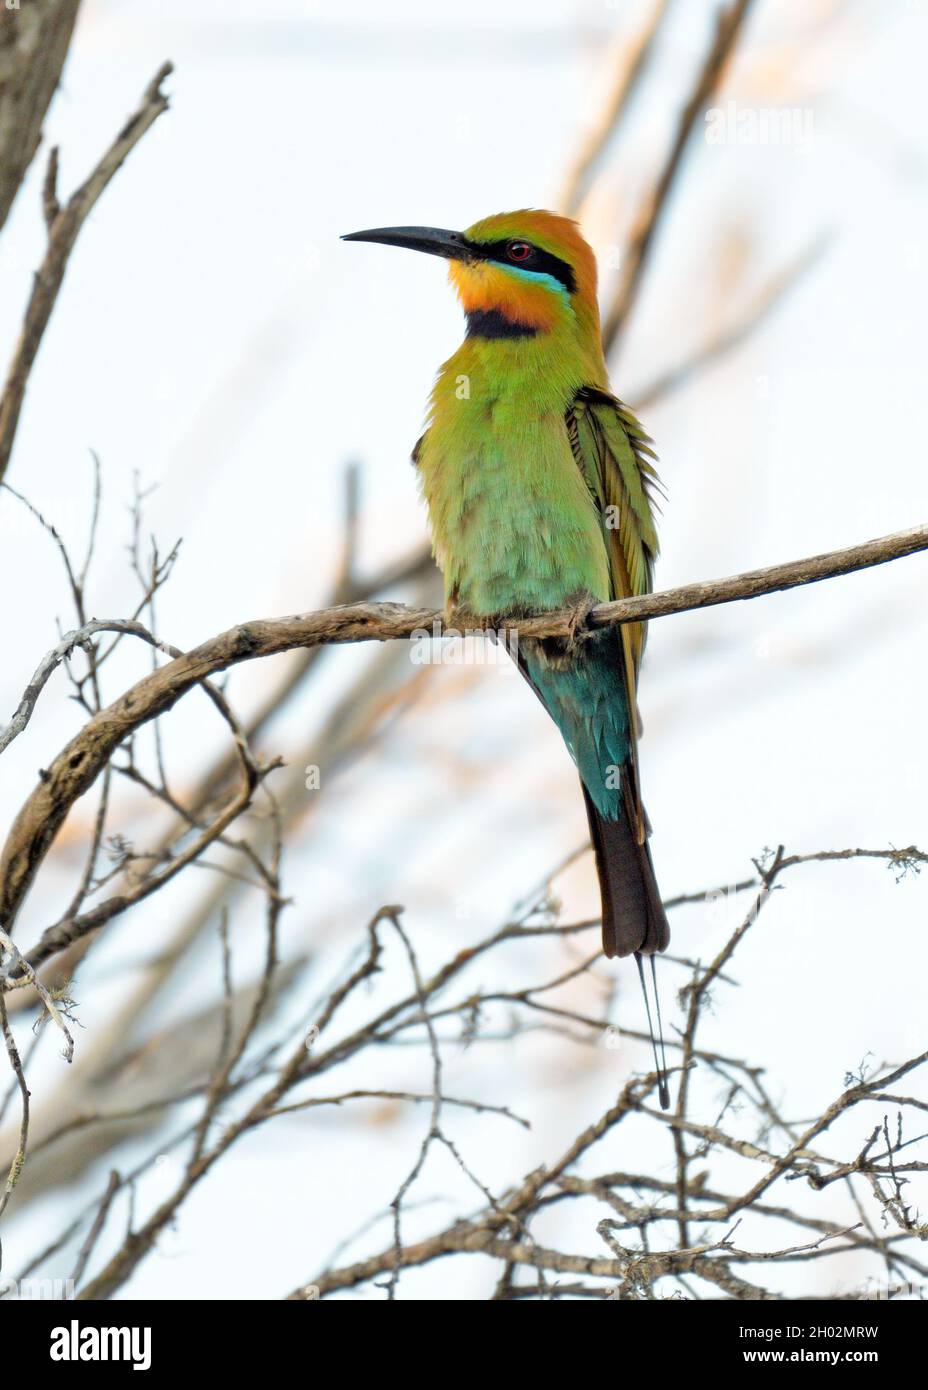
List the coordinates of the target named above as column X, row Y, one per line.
column 629, row 72
column 77, row 766
column 79, row 637
column 34, row 41
column 727, row 30
column 63, row 231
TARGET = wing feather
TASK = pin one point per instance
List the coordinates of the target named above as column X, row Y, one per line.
column 615, row 456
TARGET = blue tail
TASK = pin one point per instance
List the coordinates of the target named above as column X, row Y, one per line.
column 584, row 692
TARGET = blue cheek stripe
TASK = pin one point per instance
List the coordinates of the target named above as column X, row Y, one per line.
column 540, row 277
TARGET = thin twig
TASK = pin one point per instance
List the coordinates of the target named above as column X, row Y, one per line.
column 64, row 226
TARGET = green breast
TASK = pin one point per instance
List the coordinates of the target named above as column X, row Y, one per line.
column 513, row 522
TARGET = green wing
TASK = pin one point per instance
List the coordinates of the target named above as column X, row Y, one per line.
column 617, row 460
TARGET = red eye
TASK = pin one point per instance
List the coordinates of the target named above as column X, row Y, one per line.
column 519, row 251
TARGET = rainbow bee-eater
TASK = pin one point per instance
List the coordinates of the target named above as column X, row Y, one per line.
column 540, row 489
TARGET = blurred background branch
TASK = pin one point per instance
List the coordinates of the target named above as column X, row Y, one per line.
column 34, row 41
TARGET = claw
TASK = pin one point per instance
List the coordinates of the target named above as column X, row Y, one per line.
column 577, row 629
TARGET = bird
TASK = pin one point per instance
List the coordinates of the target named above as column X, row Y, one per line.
column 542, row 490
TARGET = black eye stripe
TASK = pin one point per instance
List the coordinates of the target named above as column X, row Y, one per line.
column 542, row 261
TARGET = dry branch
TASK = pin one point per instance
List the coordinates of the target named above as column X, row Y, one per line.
column 64, row 225
column 78, row 765
column 762, row 307
column 500, row 1231
column 727, row 31
column 78, row 637
column 34, row 41
column 627, row 79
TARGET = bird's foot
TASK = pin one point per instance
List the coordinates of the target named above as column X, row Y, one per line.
column 458, row 619
column 578, row 630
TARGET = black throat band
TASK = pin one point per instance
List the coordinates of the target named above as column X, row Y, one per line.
column 492, row 323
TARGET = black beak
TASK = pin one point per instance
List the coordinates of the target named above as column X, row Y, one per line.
column 433, row 240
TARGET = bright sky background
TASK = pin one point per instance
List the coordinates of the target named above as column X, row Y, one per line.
column 215, row 336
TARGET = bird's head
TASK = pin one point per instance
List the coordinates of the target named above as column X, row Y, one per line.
column 515, row 273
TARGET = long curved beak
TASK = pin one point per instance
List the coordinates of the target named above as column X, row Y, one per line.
column 435, row 241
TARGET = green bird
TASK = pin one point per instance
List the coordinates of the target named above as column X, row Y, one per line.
column 540, row 486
